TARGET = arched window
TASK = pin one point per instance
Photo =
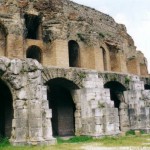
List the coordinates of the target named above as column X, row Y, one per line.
column 73, row 54
column 34, row 52
column 32, row 23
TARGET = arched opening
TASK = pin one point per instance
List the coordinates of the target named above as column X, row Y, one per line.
column 104, row 58
column 34, row 52
column 32, row 23
column 3, row 37
column 147, row 87
column 73, row 54
column 62, row 105
column 114, row 58
column 116, row 94
column 6, row 110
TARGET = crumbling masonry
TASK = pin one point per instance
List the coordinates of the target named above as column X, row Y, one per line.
column 66, row 69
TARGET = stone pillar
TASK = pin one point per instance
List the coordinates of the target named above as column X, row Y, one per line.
column 76, row 95
column 138, row 108
column 59, row 54
column 46, row 118
column 40, row 128
column 20, row 123
column 14, row 46
column 133, row 66
column 87, row 56
column 98, row 115
column 31, row 123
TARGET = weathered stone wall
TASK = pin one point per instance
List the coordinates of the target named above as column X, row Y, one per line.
column 31, row 118
column 96, row 113
column 62, row 21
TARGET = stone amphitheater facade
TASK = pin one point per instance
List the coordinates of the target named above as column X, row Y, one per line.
column 66, row 70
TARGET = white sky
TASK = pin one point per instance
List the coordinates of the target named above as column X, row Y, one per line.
column 135, row 14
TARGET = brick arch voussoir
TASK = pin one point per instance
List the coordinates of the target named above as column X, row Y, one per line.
column 52, row 73
column 108, row 77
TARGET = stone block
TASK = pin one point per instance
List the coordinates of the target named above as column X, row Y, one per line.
column 35, row 113
column 136, row 85
column 45, row 104
column 21, row 134
column 94, row 104
column 98, row 112
column 31, row 65
column 22, row 94
column 47, row 123
column 98, row 129
column 35, row 123
column 15, row 66
column 44, row 93
column 20, row 104
column 18, row 81
column 77, row 114
column 35, row 104
column 35, row 134
column 47, row 133
column 20, row 123
column 4, row 63
column 48, row 113
column 98, row 120
column 20, row 113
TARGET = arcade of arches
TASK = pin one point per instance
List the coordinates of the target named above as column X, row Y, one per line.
column 62, row 105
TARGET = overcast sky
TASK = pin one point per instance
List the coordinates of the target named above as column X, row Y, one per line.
column 135, row 14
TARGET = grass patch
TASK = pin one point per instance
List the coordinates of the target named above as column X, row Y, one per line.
column 4, row 142
column 131, row 140
column 77, row 143
column 130, row 132
column 76, row 139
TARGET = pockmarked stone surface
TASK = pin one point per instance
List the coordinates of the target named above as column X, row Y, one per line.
column 66, row 70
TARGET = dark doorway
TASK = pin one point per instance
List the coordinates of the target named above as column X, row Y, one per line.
column 6, row 110
column 32, row 23
column 34, row 52
column 147, row 87
column 116, row 93
column 73, row 54
column 63, row 107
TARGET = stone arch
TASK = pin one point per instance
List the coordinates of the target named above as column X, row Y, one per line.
column 6, row 109
column 34, row 52
column 117, row 95
column 121, row 78
column 32, row 23
column 63, row 106
column 74, row 75
column 3, row 40
column 74, row 53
